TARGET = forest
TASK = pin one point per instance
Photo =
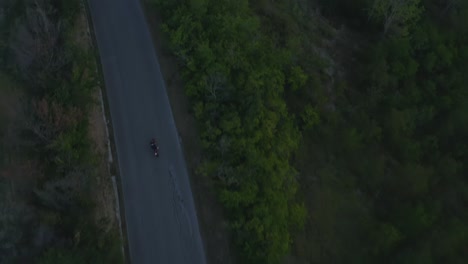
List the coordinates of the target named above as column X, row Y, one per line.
column 336, row 131
column 48, row 166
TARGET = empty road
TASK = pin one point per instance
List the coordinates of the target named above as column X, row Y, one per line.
column 160, row 215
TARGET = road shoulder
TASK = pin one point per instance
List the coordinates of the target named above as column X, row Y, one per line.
column 213, row 225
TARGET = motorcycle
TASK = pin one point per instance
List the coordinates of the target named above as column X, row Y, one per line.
column 154, row 147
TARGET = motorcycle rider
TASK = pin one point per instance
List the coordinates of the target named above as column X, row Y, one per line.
column 154, row 145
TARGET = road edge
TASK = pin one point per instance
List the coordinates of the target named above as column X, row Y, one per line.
column 113, row 162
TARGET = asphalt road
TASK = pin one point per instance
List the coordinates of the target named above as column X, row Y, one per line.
column 160, row 215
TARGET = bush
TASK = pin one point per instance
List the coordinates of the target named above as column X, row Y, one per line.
column 234, row 75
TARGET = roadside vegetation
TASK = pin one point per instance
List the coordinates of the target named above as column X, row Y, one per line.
column 235, row 78
column 48, row 167
column 354, row 111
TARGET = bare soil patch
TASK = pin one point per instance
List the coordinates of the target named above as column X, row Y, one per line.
column 103, row 190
